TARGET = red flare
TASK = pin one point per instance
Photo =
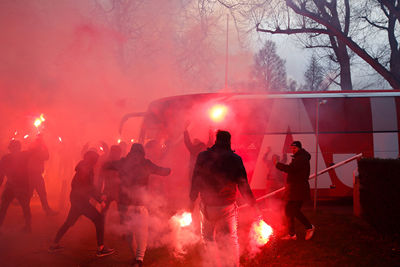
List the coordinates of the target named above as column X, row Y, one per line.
column 261, row 232
column 184, row 219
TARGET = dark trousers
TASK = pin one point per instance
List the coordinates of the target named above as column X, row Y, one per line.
column 37, row 183
column 23, row 198
column 86, row 209
column 293, row 210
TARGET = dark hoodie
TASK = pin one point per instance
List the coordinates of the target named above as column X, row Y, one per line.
column 217, row 174
column 134, row 171
column 82, row 187
column 297, row 186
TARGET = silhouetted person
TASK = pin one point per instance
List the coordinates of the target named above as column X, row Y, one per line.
column 38, row 154
column 275, row 178
column 297, row 189
column 217, row 174
column 124, row 148
column 194, row 147
column 111, row 180
column 14, row 167
column 134, row 171
column 82, row 190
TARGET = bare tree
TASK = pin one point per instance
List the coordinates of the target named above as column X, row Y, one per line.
column 319, row 17
column 269, row 69
column 381, row 18
column 314, row 75
column 308, row 17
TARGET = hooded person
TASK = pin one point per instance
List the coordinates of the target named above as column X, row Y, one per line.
column 38, row 154
column 14, row 166
column 297, row 189
column 217, row 175
column 134, row 171
column 111, row 181
column 82, row 191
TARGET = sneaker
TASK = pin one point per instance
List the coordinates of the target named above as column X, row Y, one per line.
column 310, row 233
column 289, row 237
column 55, row 248
column 105, row 252
column 137, row 263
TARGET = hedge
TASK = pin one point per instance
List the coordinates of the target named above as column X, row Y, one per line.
column 380, row 194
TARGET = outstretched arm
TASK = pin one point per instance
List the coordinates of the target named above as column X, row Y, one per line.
column 265, row 157
column 188, row 142
column 158, row 170
column 294, row 166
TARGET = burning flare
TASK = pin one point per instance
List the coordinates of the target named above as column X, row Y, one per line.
column 261, row 232
column 39, row 120
column 184, row 219
column 218, row 112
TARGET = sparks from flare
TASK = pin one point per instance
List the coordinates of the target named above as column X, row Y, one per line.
column 39, row 120
column 261, row 232
column 218, row 112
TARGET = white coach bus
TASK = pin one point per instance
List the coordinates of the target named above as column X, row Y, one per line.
column 345, row 123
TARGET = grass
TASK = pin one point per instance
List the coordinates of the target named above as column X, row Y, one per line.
column 341, row 239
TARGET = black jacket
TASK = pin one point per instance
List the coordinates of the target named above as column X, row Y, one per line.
column 297, row 186
column 135, row 178
column 14, row 167
column 82, row 187
column 217, row 174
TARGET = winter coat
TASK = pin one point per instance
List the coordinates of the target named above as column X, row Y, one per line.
column 82, row 187
column 297, row 186
column 134, row 176
column 14, row 167
column 217, row 175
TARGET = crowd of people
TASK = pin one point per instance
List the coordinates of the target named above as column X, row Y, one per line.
column 216, row 173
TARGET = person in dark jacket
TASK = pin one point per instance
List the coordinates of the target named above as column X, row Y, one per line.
column 217, row 174
column 82, row 190
column 297, row 189
column 14, row 167
column 194, row 147
column 134, row 171
column 38, row 154
column 111, row 180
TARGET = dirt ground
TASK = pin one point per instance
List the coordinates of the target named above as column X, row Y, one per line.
column 340, row 240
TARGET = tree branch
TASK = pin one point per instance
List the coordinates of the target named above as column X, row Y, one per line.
column 389, row 4
column 294, row 31
column 392, row 80
column 373, row 23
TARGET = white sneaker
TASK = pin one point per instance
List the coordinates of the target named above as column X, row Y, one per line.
column 310, row 233
column 289, row 237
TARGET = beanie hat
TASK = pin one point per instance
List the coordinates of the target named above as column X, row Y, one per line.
column 296, row 144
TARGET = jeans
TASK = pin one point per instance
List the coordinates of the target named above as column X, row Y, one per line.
column 219, row 233
column 137, row 220
column 292, row 210
column 23, row 198
column 86, row 209
column 37, row 183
